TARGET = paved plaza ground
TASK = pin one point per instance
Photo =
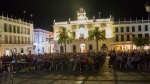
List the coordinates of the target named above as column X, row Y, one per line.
column 105, row 76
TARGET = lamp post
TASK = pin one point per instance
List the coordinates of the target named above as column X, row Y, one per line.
column 147, row 7
column 50, row 44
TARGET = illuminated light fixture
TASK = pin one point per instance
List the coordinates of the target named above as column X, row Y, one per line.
column 146, row 47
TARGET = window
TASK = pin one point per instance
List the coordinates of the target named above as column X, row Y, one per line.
column 28, row 31
column 81, row 35
column 6, row 39
column 18, row 29
column 116, row 29
column 139, row 28
column 18, row 40
column 14, row 28
column 117, row 38
column 122, row 29
column 22, row 40
column 146, row 35
column 28, row 40
column 21, row 30
column 15, row 51
column 90, row 47
column 74, row 48
column 15, row 39
column 133, row 29
column 10, row 28
column 10, row 39
column 146, row 27
column 122, row 37
column 25, row 31
column 133, row 35
column 127, row 29
column 128, row 37
column 22, row 50
column 5, row 27
column 139, row 35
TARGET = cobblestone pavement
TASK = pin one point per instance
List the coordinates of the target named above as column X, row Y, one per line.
column 104, row 76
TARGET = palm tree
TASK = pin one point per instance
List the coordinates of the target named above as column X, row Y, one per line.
column 64, row 36
column 139, row 42
column 98, row 35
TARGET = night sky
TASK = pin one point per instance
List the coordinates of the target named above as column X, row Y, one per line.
column 45, row 11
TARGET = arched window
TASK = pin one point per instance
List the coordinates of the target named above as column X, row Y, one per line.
column 61, row 49
column 90, row 47
column 74, row 48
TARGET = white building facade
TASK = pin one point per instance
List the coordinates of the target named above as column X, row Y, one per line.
column 43, row 41
column 118, row 34
column 16, row 36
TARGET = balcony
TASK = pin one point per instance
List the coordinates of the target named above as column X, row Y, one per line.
column 81, row 37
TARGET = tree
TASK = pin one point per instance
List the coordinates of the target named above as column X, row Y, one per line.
column 65, row 36
column 139, row 42
column 96, row 35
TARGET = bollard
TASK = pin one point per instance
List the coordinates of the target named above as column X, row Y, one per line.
column 138, row 66
column 120, row 65
column 125, row 66
column 61, row 67
column 93, row 67
column 80, row 67
column 3, row 73
column 56, row 67
column 100, row 66
column 145, row 65
column 50, row 68
column 132, row 66
column 9, row 71
column 149, row 65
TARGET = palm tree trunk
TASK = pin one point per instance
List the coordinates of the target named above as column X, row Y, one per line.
column 97, row 45
column 65, row 47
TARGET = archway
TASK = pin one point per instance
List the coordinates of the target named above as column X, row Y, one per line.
column 82, row 48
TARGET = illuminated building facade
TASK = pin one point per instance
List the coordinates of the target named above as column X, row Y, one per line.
column 118, row 34
column 16, row 36
column 43, row 41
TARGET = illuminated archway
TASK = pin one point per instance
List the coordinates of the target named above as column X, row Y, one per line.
column 82, row 48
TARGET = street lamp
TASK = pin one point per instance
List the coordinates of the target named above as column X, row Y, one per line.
column 147, row 7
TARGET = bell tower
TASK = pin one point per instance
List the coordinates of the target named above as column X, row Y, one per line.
column 81, row 14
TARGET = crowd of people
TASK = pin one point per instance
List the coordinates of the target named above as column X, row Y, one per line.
column 57, row 61
column 136, row 59
column 78, row 61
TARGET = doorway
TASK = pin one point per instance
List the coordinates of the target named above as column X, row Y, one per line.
column 82, row 48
